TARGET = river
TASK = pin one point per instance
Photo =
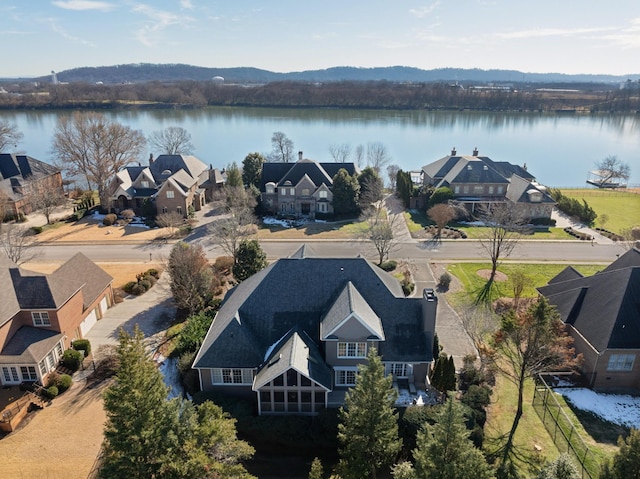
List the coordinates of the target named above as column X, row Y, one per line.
column 559, row 149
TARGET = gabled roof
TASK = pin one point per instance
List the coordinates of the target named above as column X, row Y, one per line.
column 318, row 173
column 81, row 269
column 298, row 292
column 348, row 304
column 296, row 350
column 604, row 307
column 9, row 304
column 566, row 274
column 520, row 190
column 173, row 163
column 29, row 345
column 12, row 165
column 40, row 291
column 629, row 259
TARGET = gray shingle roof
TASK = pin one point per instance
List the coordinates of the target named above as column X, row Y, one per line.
column 29, row 345
column 604, row 308
column 349, row 302
column 628, row 259
column 297, row 292
column 81, row 269
column 319, row 173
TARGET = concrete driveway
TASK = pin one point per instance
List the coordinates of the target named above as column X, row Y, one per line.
column 153, row 312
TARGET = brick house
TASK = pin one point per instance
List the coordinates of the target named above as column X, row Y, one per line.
column 291, row 337
column 303, row 188
column 168, row 183
column 477, row 180
column 41, row 314
column 602, row 313
column 17, row 172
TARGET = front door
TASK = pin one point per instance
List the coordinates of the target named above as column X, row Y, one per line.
column 10, row 375
column 305, row 208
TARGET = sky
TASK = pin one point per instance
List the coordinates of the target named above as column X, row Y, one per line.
column 541, row 36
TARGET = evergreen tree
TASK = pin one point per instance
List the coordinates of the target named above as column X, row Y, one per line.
column 561, row 468
column 441, row 195
column 317, row 471
column 626, row 462
column 250, row 259
column 450, row 375
column 135, row 433
column 346, row 190
column 404, row 187
column 234, row 177
column 436, row 345
column 368, row 429
column 147, row 436
column 371, row 187
column 252, row 169
column 444, row 450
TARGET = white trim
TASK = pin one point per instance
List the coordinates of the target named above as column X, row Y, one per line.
column 345, row 369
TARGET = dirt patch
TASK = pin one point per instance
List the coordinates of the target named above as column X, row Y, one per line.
column 60, row 441
column 438, row 269
column 88, row 229
column 486, row 273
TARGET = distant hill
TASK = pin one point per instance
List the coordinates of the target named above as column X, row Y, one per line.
column 146, row 72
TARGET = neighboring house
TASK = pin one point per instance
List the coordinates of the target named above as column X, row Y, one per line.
column 602, row 313
column 17, row 172
column 477, row 181
column 41, row 315
column 304, row 188
column 170, row 182
column 291, row 336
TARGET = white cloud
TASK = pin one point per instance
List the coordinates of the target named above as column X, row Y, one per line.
column 64, row 34
column 425, row 10
column 158, row 20
column 550, row 32
column 84, row 5
column 186, row 4
column 627, row 37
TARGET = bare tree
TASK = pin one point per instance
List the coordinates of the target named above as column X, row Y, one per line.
column 611, row 168
column 281, row 148
column 173, row 140
column 16, row 243
column 377, row 155
column 377, row 227
column 238, row 224
column 9, row 135
column 358, row 155
column 340, row 153
column 172, row 220
column 392, row 173
column 504, row 223
column 45, row 196
column 90, row 145
column 441, row 213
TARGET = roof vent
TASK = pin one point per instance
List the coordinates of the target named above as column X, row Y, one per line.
column 469, row 167
column 166, row 173
column 485, row 167
column 475, row 151
column 453, row 151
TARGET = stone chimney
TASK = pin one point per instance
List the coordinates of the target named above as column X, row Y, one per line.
column 299, row 156
column 150, row 159
column 475, row 151
column 429, row 310
column 453, row 151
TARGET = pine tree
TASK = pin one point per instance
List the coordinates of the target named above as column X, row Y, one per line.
column 445, row 451
column 317, row 471
column 626, row 462
column 561, row 468
column 346, row 190
column 449, row 382
column 368, row 429
column 249, row 260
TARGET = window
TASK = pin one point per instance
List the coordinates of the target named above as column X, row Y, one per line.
column 179, row 209
column 28, row 373
column 621, row 362
column 270, row 188
column 491, row 190
column 42, row 366
column 283, row 207
column 40, row 318
column 322, row 194
column 170, row 194
column 145, row 184
column 10, row 374
column 231, row 376
column 500, row 189
column 478, row 189
column 456, row 190
column 322, row 207
column 305, row 191
column 283, row 191
column 399, row 370
column 352, row 350
column 292, row 207
column 466, row 189
column 346, row 377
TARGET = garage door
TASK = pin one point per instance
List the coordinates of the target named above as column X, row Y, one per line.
column 103, row 307
column 88, row 323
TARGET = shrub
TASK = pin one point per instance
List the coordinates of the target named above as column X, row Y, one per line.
column 138, row 289
column 151, row 279
column 389, row 265
column 145, row 284
column 153, row 272
column 72, row 359
column 51, row 392
column 82, row 345
column 63, row 383
column 444, row 281
column 109, row 220
column 407, row 288
column 37, row 229
column 193, row 334
column 128, row 288
column 127, row 214
column 53, row 378
column 78, row 214
column 223, row 264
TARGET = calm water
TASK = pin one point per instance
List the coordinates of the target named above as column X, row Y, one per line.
column 558, row 149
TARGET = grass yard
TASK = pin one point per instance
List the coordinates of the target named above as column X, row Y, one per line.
column 537, row 275
column 341, row 230
column 621, row 207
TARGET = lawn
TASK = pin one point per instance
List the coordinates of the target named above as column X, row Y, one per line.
column 334, row 230
column 537, row 275
column 622, row 208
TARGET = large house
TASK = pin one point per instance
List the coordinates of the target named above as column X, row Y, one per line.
column 602, row 313
column 478, row 181
column 292, row 335
column 303, row 188
column 41, row 315
column 172, row 183
column 18, row 174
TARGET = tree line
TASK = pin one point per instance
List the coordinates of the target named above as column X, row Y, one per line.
column 345, row 94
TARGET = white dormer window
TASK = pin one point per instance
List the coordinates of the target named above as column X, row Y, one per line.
column 352, row 349
column 145, row 184
column 170, row 194
column 270, row 188
column 305, row 191
column 323, row 194
column 40, row 318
